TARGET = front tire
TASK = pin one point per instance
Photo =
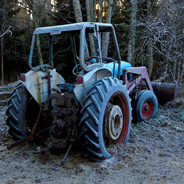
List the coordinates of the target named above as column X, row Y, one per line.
column 146, row 106
column 106, row 118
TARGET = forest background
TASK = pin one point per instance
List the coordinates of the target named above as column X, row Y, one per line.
column 150, row 33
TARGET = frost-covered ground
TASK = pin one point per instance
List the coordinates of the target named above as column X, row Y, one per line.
column 154, row 154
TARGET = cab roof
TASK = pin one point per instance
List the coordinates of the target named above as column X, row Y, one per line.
column 53, row 30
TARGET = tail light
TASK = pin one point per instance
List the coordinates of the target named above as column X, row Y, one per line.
column 22, row 77
column 80, row 79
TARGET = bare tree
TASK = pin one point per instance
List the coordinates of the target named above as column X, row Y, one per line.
column 101, row 11
column 38, row 10
column 78, row 17
column 7, row 31
column 5, row 22
column 132, row 32
column 90, row 19
column 105, row 36
column 162, row 36
column 150, row 41
column 77, row 10
column 105, row 8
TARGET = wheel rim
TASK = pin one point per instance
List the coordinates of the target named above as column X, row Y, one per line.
column 115, row 130
column 147, row 109
column 113, row 122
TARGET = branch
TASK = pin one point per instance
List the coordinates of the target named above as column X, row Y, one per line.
column 6, row 32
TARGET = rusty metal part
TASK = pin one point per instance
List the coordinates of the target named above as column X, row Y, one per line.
column 25, row 139
column 65, row 157
column 9, row 147
column 59, row 112
column 32, row 134
column 43, row 104
column 73, row 136
column 63, row 99
column 38, row 86
column 165, row 91
column 45, row 150
column 58, row 126
column 54, row 143
column 61, row 144
column 113, row 122
column 147, row 109
column 36, row 123
column 132, row 83
column 49, row 83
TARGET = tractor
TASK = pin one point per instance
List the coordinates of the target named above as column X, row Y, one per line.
column 96, row 109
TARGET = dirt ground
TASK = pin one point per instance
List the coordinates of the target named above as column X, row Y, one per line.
column 154, row 154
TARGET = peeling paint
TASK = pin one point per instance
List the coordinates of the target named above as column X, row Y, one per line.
column 38, row 87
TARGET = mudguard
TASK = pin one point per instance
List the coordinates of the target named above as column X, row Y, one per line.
column 36, row 82
column 96, row 74
column 88, row 80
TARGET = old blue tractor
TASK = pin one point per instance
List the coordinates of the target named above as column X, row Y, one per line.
column 96, row 109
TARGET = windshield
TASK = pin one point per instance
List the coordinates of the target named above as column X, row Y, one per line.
column 69, row 48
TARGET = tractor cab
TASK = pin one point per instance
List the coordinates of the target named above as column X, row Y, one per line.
column 86, row 40
column 90, row 61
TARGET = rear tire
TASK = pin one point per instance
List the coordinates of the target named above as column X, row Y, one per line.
column 106, row 118
column 21, row 113
column 146, row 106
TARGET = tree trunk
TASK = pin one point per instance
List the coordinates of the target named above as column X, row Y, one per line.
column 36, row 23
column 182, row 72
column 179, row 70
column 78, row 18
column 88, row 10
column 2, row 43
column 150, row 43
column 150, row 58
column 94, row 10
column 166, row 68
column 91, row 10
column 77, row 10
column 38, row 45
column 89, row 19
column 131, row 44
column 2, row 62
column 101, row 11
column 105, row 36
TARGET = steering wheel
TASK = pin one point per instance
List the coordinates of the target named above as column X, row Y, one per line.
column 107, row 60
column 89, row 59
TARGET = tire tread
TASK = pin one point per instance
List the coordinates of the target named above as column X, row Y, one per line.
column 16, row 104
column 88, row 126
